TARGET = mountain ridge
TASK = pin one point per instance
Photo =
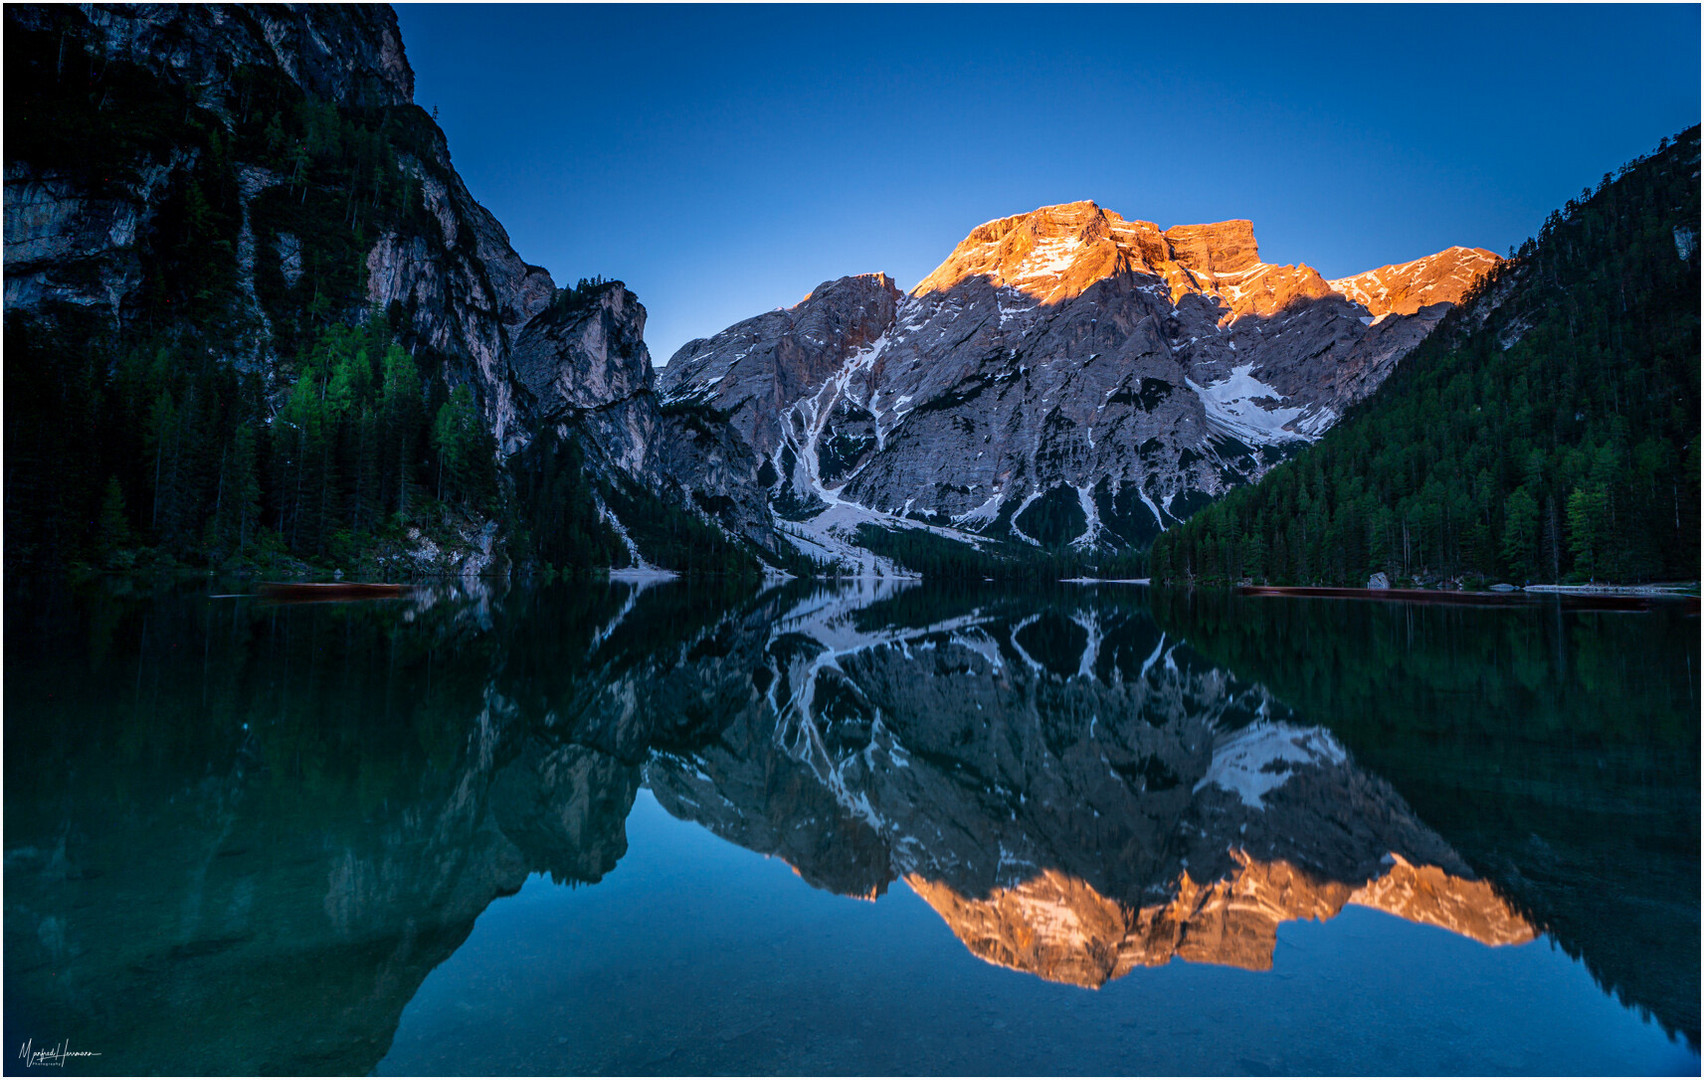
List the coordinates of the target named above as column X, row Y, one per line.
column 1197, row 388
column 1189, row 257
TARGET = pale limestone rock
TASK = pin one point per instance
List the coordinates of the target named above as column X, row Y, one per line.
column 1135, row 372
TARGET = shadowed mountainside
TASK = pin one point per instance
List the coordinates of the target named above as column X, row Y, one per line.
column 1064, row 377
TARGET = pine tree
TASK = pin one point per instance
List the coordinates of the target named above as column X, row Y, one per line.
column 401, row 409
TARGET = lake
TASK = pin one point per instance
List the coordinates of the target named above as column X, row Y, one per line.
column 858, row 827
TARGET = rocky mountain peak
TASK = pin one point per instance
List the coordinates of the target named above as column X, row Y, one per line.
column 1405, row 288
column 1125, row 372
column 584, row 350
column 1055, row 253
column 1051, row 253
column 848, row 285
column 1224, row 247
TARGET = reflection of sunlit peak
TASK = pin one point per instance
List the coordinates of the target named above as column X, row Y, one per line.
column 1426, row 894
column 1062, row 929
column 1052, row 925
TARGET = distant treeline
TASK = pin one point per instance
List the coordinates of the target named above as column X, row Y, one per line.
column 168, row 449
column 1548, row 430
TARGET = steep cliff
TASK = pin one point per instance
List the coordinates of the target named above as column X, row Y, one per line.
column 1121, row 374
column 226, row 186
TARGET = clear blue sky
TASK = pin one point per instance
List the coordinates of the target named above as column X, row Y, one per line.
column 724, row 161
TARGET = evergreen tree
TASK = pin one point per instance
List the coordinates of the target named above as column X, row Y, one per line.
column 401, row 408
column 113, row 526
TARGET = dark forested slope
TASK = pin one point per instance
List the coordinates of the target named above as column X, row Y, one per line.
column 253, row 317
column 1548, row 430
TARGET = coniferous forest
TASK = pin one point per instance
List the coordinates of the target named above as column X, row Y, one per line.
column 1547, row 431
column 170, row 449
column 159, row 436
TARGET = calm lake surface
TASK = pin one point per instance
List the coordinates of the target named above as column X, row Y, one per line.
column 859, row 828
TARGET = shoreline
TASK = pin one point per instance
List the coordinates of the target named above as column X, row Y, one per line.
column 1104, row 581
column 1575, row 597
column 1614, row 590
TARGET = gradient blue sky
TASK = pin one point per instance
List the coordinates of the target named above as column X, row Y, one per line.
column 725, row 160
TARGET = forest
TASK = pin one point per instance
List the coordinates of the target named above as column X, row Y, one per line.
column 162, row 453
column 291, row 431
column 1546, row 431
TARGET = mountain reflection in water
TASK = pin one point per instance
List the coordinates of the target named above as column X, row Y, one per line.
column 1074, row 793
column 238, row 836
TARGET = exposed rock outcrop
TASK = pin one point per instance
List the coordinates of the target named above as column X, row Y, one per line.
column 584, row 357
column 1125, row 372
column 1405, row 288
column 265, row 121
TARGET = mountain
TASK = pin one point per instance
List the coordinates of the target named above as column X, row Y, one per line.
column 1064, row 377
column 1547, row 430
column 239, row 262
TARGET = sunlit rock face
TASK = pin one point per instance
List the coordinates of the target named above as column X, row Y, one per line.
column 1073, row 793
column 1405, row 288
column 1123, row 373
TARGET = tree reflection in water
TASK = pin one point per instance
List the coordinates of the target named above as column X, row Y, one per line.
column 239, row 835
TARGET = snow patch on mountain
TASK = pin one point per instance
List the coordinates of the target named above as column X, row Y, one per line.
column 1234, row 406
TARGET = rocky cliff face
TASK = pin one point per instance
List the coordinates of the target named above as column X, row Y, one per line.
column 77, row 239
column 238, row 177
column 1122, row 373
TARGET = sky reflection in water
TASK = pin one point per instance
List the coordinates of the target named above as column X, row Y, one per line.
column 600, row 829
column 696, row 956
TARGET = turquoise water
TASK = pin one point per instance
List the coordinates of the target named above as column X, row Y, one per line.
column 696, row 956
column 679, row 829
